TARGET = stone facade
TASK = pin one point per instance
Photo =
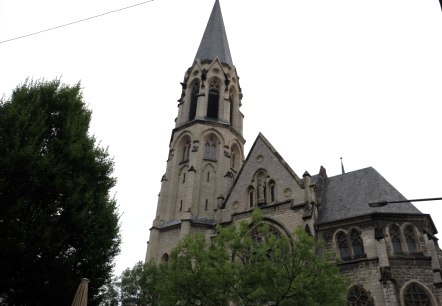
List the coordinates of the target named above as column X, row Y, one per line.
column 389, row 253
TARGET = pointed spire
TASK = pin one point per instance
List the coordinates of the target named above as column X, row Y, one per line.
column 214, row 42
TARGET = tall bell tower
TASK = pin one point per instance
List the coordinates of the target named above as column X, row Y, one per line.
column 206, row 147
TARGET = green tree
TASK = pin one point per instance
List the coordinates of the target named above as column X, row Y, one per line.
column 139, row 284
column 198, row 273
column 58, row 222
column 251, row 265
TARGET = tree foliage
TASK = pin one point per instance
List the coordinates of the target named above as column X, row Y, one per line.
column 245, row 265
column 58, row 222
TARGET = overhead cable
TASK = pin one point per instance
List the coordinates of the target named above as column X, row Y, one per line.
column 74, row 22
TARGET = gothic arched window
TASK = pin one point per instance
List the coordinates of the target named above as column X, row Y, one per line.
column 231, row 97
column 193, row 100
column 185, row 152
column 210, row 149
column 410, row 239
column 356, row 243
column 213, row 101
column 358, row 296
column 415, row 295
column 341, row 239
column 165, row 258
column 235, row 157
column 396, row 239
column 251, row 195
column 272, row 191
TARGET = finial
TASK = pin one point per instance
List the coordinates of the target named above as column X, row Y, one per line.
column 342, row 167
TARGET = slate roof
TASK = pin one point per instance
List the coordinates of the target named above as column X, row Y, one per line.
column 347, row 195
column 214, row 42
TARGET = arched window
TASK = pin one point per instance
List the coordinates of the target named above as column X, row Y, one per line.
column 356, row 243
column 193, row 100
column 165, row 258
column 358, row 296
column 410, row 239
column 415, row 295
column 395, row 239
column 251, row 196
column 213, row 102
column 185, row 152
column 272, row 191
column 210, row 149
column 231, row 97
column 341, row 239
column 235, row 157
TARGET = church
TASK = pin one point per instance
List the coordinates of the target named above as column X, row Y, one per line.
column 389, row 253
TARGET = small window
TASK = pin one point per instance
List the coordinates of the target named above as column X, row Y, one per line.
column 231, row 107
column 272, row 191
column 232, row 160
column 410, row 239
column 185, row 152
column 395, row 239
column 193, row 100
column 181, row 205
column 415, row 295
column 251, row 197
column 356, row 243
column 210, row 150
column 184, row 178
column 208, row 176
column 213, row 102
column 207, row 204
column 341, row 238
column 165, row 258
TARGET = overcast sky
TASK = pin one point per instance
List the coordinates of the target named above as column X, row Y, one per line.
column 321, row 79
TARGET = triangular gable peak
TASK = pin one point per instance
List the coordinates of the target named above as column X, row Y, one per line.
column 265, row 179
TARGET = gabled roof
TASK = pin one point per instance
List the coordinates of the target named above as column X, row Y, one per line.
column 348, row 195
column 214, row 42
column 261, row 146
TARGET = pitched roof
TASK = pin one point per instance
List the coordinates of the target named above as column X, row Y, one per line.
column 348, row 195
column 214, row 42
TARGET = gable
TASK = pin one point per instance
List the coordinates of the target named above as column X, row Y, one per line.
column 267, row 176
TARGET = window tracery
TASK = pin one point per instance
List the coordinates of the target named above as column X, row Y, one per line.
column 341, row 239
column 356, row 243
column 210, row 149
column 358, row 296
column 410, row 239
column 415, row 295
column 395, row 239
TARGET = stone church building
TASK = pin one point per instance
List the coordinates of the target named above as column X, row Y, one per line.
column 390, row 253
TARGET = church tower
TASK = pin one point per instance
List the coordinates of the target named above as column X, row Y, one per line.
column 206, row 147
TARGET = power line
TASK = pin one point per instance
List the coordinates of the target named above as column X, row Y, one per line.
column 78, row 21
